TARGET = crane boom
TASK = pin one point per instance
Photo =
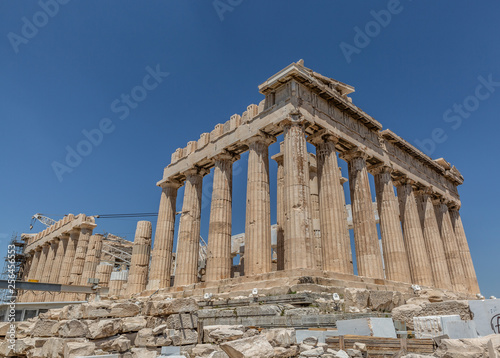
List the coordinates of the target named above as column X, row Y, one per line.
column 43, row 219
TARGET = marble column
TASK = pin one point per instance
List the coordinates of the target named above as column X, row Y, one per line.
column 420, row 267
column 92, row 259
column 161, row 261
column 258, row 209
column 116, row 282
column 368, row 255
column 28, row 296
column 103, row 273
column 299, row 248
column 47, row 271
column 69, row 257
column 451, row 251
column 315, row 216
column 57, row 264
column 335, row 240
column 433, row 242
column 393, row 245
column 80, row 254
column 186, row 272
column 280, row 211
column 341, row 204
column 463, row 249
column 139, row 264
column 38, row 295
column 219, row 260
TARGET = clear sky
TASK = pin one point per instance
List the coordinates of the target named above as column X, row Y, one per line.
column 427, row 70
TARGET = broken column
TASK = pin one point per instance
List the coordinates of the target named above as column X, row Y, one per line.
column 103, row 273
column 418, row 259
column 298, row 232
column 161, row 261
column 92, row 259
column 139, row 264
column 368, row 255
column 432, row 237
column 393, row 246
column 117, row 282
column 280, row 210
column 455, row 267
column 219, row 260
column 334, row 231
column 258, row 208
column 189, row 229
column 463, row 249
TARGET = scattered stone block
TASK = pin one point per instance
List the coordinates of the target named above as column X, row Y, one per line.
column 253, row 347
column 373, row 326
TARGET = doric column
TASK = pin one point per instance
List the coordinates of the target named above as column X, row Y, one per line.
column 280, row 210
column 315, row 220
column 258, row 209
column 58, row 259
column 418, row 259
column 368, row 255
column 186, row 272
column 335, row 241
column 103, row 273
column 219, row 235
column 38, row 295
column 47, row 271
column 463, row 249
column 116, row 282
column 28, row 296
column 161, row 261
column 139, row 263
column 80, row 254
column 433, row 242
column 347, row 242
column 393, row 245
column 92, row 259
column 299, row 248
column 451, row 252
column 69, row 257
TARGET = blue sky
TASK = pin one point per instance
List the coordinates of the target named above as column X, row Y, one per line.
column 61, row 73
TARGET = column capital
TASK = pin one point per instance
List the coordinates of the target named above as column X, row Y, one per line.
column 171, row 183
column 87, row 226
column 380, row 168
column 354, row 153
column 322, row 136
column 404, row 180
column 278, row 157
column 425, row 191
column 196, row 171
column 260, row 137
column 294, row 118
column 226, row 155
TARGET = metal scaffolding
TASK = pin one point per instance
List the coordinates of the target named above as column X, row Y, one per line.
column 14, row 264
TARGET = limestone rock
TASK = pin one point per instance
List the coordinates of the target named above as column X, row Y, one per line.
column 253, row 347
column 207, row 330
column 406, row 312
column 120, row 344
column 315, row 352
column 72, row 312
column 204, row 350
column 250, row 333
column 341, row 354
column 311, row 341
column 24, row 328
column 356, row 298
column 54, row 313
column 281, row 337
column 223, row 335
column 146, row 338
column 94, row 310
column 182, row 321
column 165, row 308
column 143, row 353
column 159, row 329
column 354, row 353
column 266, row 310
column 72, row 329
column 303, row 311
column 282, row 352
column 384, row 301
column 124, row 309
column 104, row 328
column 181, row 337
column 360, row 346
column 305, row 347
column 133, row 324
column 43, row 328
column 75, row 349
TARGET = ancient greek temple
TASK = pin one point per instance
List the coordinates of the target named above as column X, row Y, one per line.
column 423, row 241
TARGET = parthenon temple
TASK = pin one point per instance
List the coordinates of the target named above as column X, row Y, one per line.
column 422, row 240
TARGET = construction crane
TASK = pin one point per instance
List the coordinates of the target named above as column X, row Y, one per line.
column 43, row 219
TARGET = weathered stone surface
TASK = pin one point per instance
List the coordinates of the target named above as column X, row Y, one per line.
column 124, row 309
column 384, row 301
column 207, row 331
column 356, row 298
column 75, row 349
column 253, row 347
column 302, row 311
column 181, row 337
column 103, row 328
column 205, row 350
column 267, row 310
column 406, row 312
column 281, row 352
column 223, row 335
column 146, row 338
column 94, row 310
column 133, row 324
column 315, row 352
column 120, row 344
column 310, row 341
column 341, row 354
column 143, row 353
column 281, row 337
column 72, row 312
column 72, row 328
column 182, row 321
column 43, row 328
column 165, row 308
